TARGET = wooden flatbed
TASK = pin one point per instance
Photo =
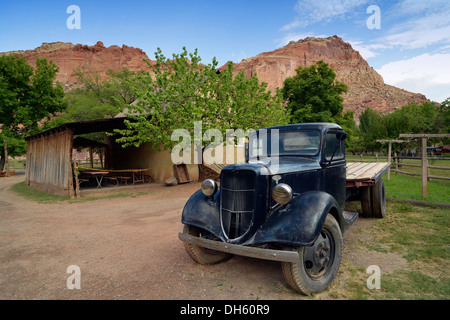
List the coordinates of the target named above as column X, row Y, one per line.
column 361, row 174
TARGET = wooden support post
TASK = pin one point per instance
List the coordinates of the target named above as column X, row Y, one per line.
column 424, row 167
column 390, row 154
column 424, row 138
column 91, row 157
column 6, row 160
column 77, row 182
column 101, row 157
column 389, row 160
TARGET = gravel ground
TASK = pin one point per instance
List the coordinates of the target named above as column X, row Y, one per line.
column 127, row 248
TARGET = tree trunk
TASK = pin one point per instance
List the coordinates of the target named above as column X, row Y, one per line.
column 2, row 162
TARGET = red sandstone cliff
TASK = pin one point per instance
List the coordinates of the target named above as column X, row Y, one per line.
column 366, row 87
column 68, row 57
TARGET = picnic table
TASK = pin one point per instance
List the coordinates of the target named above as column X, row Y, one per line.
column 137, row 175
column 98, row 176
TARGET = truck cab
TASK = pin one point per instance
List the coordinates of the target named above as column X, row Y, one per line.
column 286, row 203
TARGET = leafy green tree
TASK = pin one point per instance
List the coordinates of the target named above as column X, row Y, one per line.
column 182, row 90
column 27, row 96
column 443, row 118
column 97, row 98
column 314, row 95
column 347, row 122
column 116, row 90
column 82, row 105
column 412, row 118
column 371, row 128
column 428, row 117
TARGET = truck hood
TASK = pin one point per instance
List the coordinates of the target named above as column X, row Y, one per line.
column 283, row 165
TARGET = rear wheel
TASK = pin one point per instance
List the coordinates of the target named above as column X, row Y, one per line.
column 366, row 202
column 373, row 201
column 203, row 255
column 319, row 263
column 378, row 200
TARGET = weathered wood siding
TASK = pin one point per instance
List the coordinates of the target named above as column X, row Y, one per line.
column 49, row 163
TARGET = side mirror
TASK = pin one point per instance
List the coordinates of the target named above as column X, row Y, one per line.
column 341, row 135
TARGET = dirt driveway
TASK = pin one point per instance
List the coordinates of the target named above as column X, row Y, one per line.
column 126, row 248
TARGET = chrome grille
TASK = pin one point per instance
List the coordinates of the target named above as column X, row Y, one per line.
column 237, row 202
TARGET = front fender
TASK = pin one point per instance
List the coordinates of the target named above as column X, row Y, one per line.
column 203, row 212
column 299, row 222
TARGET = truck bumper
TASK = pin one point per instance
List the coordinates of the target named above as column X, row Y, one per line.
column 253, row 252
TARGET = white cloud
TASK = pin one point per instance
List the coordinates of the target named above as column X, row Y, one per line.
column 367, row 51
column 408, row 7
column 426, row 74
column 421, row 33
column 292, row 25
column 422, row 23
column 312, row 11
column 364, row 50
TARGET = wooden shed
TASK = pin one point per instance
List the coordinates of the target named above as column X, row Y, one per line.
column 50, row 168
column 49, row 154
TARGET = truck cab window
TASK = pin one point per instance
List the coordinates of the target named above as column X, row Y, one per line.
column 330, row 145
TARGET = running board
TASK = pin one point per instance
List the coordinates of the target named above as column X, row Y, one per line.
column 350, row 219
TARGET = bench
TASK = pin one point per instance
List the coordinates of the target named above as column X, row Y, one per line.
column 112, row 179
column 119, row 179
column 80, row 180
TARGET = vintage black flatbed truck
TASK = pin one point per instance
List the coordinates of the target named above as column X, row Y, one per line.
column 286, row 203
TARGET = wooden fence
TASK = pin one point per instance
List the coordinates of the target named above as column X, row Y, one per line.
column 396, row 162
column 424, row 160
column 399, row 165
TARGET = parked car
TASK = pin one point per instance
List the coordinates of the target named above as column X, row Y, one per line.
column 441, row 150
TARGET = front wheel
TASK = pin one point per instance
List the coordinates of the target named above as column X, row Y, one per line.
column 199, row 254
column 319, row 263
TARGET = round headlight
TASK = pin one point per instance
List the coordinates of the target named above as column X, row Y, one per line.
column 209, row 187
column 282, row 193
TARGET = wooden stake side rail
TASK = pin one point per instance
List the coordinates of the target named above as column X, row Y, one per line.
column 365, row 173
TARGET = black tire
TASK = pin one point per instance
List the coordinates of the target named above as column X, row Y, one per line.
column 366, row 202
column 319, row 263
column 203, row 255
column 378, row 200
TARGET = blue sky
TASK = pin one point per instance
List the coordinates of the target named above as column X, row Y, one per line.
column 410, row 49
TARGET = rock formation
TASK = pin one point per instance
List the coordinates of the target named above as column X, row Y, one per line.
column 68, row 57
column 366, row 87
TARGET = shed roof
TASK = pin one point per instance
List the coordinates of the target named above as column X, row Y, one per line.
column 80, row 142
column 81, row 127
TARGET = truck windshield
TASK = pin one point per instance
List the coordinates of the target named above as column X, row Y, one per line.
column 263, row 143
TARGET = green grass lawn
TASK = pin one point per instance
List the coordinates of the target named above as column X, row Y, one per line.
column 42, row 197
column 16, row 164
column 420, row 235
column 408, row 187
